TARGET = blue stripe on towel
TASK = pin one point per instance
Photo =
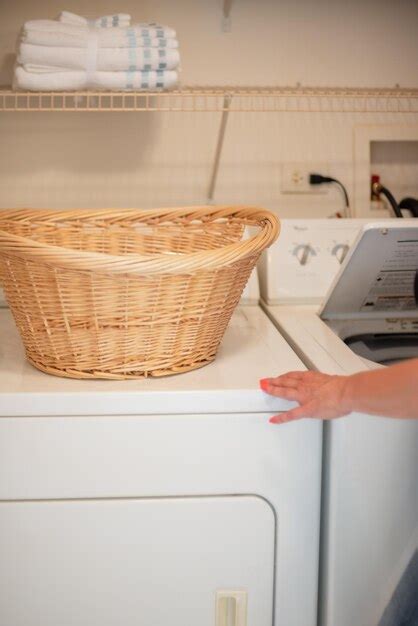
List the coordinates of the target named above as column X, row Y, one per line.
column 145, row 80
column 130, row 33
column 160, row 33
column 160, row 79
column 162, row 66
column 115, row 20
column 129, row 79
column 162, row 53
column 130, row 76
column 132, row 58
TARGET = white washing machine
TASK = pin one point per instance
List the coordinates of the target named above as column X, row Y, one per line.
column 370, row 475
column 160, row 501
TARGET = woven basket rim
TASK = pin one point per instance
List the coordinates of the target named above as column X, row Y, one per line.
column 27, row 248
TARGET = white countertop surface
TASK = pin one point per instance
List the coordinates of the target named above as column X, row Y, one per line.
column 252, row 348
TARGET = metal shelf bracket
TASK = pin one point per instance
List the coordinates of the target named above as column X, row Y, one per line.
column 219, row 146
column 226, row 16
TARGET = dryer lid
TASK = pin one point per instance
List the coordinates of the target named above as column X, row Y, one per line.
column 378, row 278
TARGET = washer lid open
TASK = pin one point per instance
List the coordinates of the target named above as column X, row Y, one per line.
column 378, row 276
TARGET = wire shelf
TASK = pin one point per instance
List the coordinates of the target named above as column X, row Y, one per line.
column 212, row 99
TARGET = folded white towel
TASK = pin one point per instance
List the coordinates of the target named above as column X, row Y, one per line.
column 41, row 58
column 106, row 21
column 52, row 33
column 73, row 80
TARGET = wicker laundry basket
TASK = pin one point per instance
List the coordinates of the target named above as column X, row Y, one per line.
column 127, row 293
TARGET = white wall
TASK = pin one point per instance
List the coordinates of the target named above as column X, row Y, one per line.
column 134, row 159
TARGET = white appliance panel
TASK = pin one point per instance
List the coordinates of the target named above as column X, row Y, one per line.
column 202, row 434
column 370, row 500
column 301, row 265
column 150, row 562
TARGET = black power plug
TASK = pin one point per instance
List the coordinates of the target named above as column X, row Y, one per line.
column 318, row 179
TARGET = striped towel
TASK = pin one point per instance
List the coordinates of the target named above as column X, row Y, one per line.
column 46, row 58
column 53, row 33
column 106, row 21
column 73, row 80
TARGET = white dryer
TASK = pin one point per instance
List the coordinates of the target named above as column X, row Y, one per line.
column 370, row 489
column 159, row 501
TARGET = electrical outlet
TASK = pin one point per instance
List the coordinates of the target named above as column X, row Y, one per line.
column 295, row 178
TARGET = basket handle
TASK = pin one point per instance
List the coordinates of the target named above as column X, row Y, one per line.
column 28, row 249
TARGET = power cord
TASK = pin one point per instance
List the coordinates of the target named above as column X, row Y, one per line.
column 378, row 188
column 411, row 204
column 318, row 179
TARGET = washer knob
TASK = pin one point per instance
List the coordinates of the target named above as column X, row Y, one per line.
column 340, row 251
column 302, row 252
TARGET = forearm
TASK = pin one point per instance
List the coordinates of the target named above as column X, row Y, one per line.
column 391, row 391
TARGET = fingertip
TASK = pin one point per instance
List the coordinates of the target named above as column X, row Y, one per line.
column 283, row 418
column 264, row 383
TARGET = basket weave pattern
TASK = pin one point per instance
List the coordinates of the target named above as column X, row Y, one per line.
column 127, row 293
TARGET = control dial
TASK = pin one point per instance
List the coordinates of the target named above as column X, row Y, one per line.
column 340, row 251
column 303, row 251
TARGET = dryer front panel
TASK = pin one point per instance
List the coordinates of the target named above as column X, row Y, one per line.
column 153, row 562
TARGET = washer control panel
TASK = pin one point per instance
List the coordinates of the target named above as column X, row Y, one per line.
column 302, row 264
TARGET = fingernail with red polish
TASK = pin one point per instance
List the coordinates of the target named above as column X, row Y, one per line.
column 264, row 383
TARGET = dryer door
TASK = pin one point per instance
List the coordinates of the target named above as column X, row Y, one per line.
column 129, row 562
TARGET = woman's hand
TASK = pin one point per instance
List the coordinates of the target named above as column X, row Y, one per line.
column 389, row 391
column 319, row 395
